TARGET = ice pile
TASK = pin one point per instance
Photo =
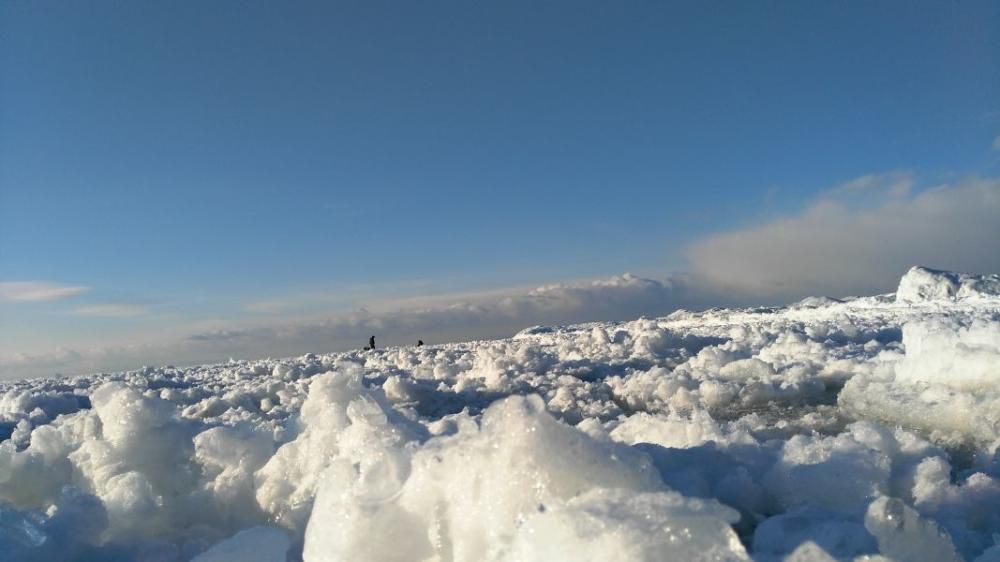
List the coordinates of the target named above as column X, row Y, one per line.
column 925, row 284
column 947, row 384
column 863, row 429
column 548, row 489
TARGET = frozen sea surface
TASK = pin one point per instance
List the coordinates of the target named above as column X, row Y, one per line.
column 856, row 429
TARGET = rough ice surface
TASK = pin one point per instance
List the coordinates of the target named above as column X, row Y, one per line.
column 854, row 429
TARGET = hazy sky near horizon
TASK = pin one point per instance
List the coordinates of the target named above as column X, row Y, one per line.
column 175, row 169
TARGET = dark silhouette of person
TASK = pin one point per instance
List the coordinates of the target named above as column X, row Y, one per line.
column 420, row 343
column 371, row 342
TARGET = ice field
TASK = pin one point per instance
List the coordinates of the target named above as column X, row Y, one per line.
column 858, row 429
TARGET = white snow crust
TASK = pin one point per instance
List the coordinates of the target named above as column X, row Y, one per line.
column 855, row 429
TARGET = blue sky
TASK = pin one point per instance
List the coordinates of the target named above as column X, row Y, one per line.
column 190, row 165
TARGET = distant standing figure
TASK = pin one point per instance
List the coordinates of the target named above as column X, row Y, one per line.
column 371, row 342
column 420, row 343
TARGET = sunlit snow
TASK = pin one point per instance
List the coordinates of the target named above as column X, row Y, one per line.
column 865, row 428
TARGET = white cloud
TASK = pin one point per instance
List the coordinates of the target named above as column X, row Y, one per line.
column 836, row 248
column 112, row 310
column 36, row 291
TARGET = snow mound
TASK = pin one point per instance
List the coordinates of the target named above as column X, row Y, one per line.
column 924, row 284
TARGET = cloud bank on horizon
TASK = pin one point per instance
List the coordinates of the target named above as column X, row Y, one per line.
column 835, row 248
column 857, row 238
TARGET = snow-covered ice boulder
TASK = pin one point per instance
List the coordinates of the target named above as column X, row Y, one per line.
column 499, row 489
column 947, row 382
column 921, row 284
column 948, row 353
column 903, row 534
column 342, row 422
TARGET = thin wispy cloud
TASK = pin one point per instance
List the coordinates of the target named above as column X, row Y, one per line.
column 897, row 183
column 37, row 291
column 268, row 307
column 112, row 310
column 342, row 298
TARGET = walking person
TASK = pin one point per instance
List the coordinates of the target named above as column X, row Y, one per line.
column 371, row 342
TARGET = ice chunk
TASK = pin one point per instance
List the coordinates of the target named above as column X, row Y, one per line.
column 141, row 463
column 926, row 284
column 616, row 525
column 923, row 284
column 836, row 534
column 808, row 552
column 32, row 478
column 947, row 384
column 72, row 527
column 671, row 431
column 257, row 544
column 78, row 518
column 944, row 352
column 968, row 509
column 903, row 534
column 811, row 471
column 342, row 420
column 467, row 494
